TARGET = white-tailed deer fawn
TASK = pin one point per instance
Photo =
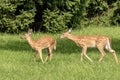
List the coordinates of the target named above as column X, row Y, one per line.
column 100, row 42
column 41, row 43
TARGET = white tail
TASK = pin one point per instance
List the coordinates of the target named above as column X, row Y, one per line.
column 55, row 46
column 108, row 45
column 41, row 43
column 100, row 42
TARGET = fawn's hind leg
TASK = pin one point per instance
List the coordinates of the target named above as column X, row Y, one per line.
column 48, row 54
column 114, row 54
column 50, row 51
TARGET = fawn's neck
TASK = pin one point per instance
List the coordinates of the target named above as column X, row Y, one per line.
column 30, row 40
column 72, row 37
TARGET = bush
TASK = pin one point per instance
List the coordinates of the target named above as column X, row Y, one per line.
column 56, row 15
column 115, row 19
column 14, row 19
column 21, row 22
column 55, row 21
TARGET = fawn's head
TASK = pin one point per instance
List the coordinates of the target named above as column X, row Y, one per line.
column 26, row 35
column 65, row 34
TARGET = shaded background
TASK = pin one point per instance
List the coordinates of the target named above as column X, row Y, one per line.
column 56, row 15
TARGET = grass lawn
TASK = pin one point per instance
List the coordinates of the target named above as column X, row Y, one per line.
column 16, row 59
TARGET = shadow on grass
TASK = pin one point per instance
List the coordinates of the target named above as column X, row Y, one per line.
column 64, row 46
column 68, row 46
column 116, row 45
column 14, row 45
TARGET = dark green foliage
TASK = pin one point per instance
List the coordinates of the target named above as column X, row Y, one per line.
column 15, row 15
column 102, row 12
column 55, row 21
column 116, row 16
column 56, row 15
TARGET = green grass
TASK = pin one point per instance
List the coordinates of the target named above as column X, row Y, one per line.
column 16, row 59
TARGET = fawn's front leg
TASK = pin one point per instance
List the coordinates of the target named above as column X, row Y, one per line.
column 40, row 54
column 101, row 49
column 35, row 56
column 84, row 50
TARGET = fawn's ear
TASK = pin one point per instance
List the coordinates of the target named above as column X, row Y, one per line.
column 30, row 31
column 70, row 30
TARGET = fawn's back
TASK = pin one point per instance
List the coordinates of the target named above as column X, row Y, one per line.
column 43, row 42
column 91, row 41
